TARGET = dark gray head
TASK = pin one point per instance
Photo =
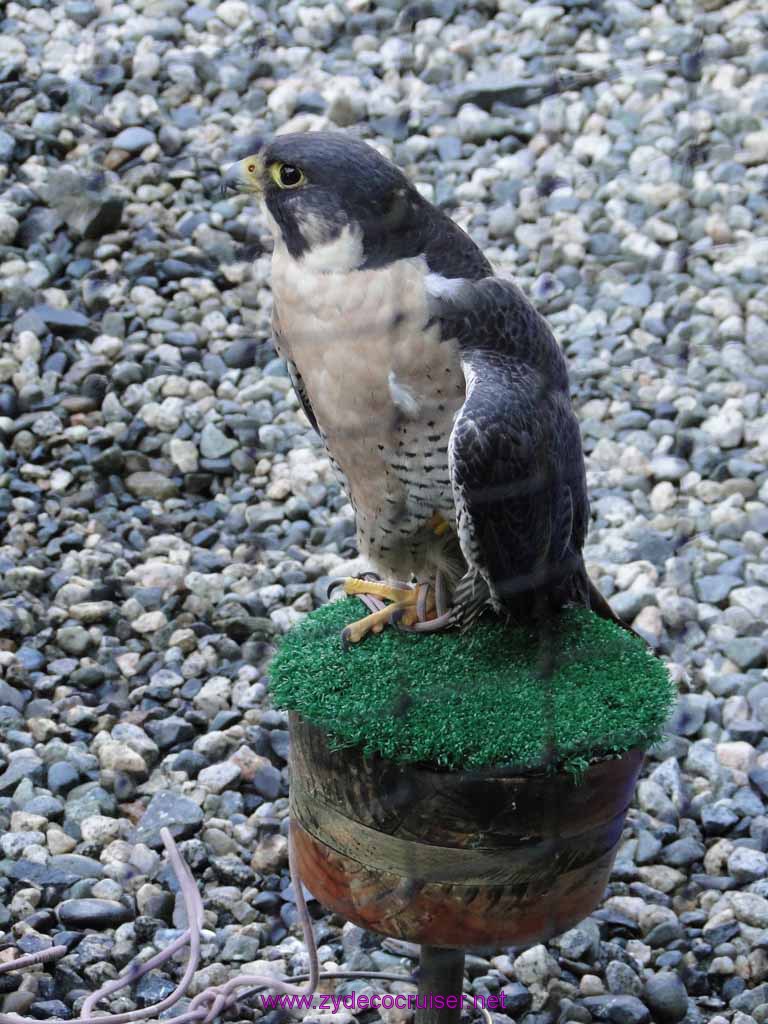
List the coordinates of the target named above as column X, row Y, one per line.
column 336, row 201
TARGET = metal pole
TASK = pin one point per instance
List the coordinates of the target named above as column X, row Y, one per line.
column 441, row 973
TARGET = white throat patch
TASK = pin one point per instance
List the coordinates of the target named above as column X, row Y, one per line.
column 339, row 256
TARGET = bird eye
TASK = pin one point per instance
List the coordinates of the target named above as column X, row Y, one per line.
column 286, row 175
column 251, row 168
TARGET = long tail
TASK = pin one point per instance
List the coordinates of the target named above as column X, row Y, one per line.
column 600, row 607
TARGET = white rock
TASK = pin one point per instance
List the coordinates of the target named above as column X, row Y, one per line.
column 749, row 908
column 214, row 695
column 99, row 829
column 58, row 841
column 752, row 599
column 149, row 622
column 726, row 428
column 165, row 416
column 534, row 968
column 755, row 148
column 663, row 496
column 233, row 13
column 60, row 480
column 282, row 100
column 13, row 844
column 119, row 757
column 218, row 777
column 184, row 455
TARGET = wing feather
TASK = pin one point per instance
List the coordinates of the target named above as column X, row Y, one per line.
column 296, row 379
column 516, row 461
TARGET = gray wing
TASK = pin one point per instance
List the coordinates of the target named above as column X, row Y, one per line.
column 293, row 373
column 301, row 393
column 516, row 461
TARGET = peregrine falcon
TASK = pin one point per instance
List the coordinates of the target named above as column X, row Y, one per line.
column 439, row 392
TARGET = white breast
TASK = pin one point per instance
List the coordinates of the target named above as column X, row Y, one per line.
column 380, row 381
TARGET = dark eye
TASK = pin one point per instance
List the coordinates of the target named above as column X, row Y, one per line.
column 290, row 175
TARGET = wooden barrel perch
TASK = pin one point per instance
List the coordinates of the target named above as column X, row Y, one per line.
column 421, row 806
column 469, row 858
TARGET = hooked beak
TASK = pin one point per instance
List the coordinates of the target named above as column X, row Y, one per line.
column 232, row 179
column 243, row 176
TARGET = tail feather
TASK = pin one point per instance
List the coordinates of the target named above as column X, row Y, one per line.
column 600, row 606
column 472, row 597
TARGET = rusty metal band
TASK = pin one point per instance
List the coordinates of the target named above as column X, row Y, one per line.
column 379, row 851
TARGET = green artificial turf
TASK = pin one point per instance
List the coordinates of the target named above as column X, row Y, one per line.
column 477, row 699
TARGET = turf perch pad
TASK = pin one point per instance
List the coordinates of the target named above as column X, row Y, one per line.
column 474, row 700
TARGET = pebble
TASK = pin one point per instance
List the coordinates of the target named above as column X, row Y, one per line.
column 92, row 913
column 167, row 509
column 180, row 815
column 666, row 998
column 134, row 139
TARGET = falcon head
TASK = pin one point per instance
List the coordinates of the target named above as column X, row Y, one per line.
column 333, row 202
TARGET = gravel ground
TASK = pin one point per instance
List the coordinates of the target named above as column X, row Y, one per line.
column 166, row 510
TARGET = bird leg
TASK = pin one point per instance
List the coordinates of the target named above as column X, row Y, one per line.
column 407, row 602
column 416, row 607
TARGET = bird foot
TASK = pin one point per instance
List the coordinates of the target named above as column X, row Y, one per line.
column 418, row 607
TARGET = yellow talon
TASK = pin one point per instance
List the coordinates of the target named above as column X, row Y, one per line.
column 373, row 623
column 404, row 608
column 377, row 588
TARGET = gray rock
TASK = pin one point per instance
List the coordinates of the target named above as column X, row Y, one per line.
column 151, row 485
column 83, row 12
column 214, row 443
column 241, row 354
column 22, row 765
column 63, row 869
column 618, row 1009
column 180, row 815
column 747, row 865
column 629, row 603
column 655, row 801
column 748, row 651
column 666, row 997
column 62, row 777
column 240, row 949
column 648, row 847
column 86, row 203
column 7, row 146
column 689, row 714
column 486, row 90
column 73, row 639
column 759, row 778
column 133, row 140
column 581, row 942
column 266, row 780
column 718, row 819
column 170, row 732
column 622, row 980
column 715, row 589
column 682, row 852
column 12, row 697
